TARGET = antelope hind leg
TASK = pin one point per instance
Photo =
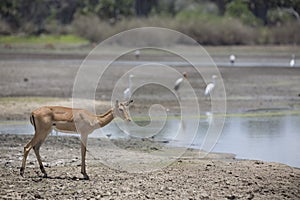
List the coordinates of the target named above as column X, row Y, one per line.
column 27, row 149
column 36, row 149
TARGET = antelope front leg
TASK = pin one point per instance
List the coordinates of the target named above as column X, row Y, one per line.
column 83, row 154
column 26, row 151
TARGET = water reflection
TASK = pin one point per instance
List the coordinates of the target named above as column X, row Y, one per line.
column 269, row 138
column 259, row 127
column 274, row 139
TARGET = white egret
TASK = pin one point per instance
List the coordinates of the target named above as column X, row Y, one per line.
column 232, row 59
column 127, row 91
column 137, row 54
column 179, row 81
column 210, row 87
column 292, row 61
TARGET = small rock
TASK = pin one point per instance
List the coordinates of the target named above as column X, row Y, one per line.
column 153, row 148
column 250, row 196
column 37, row 196
column 258, row 162
column 231, row 197
column 37, row 180
column 204, row 195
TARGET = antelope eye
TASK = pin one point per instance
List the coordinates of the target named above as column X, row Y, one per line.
column 120, row 109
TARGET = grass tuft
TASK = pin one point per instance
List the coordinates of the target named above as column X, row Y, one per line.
column 43, row 39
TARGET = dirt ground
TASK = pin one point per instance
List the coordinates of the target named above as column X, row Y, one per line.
column 28, row 81
column 189, row 177
column 42, row 76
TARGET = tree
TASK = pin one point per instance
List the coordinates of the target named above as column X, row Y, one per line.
column 221, row 5
column 143, row 8
column 239, row 9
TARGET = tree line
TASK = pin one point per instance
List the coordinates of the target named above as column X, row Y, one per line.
column 33, row 17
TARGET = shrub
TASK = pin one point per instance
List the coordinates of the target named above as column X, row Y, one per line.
column 91, row 28
column 5, row 28
column 216, row 30
column 96, row 30
column 204, row 29
column 285, row 34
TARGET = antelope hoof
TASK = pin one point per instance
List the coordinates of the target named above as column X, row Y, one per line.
column 86, row 177
column 43, row 171
column 22, row 171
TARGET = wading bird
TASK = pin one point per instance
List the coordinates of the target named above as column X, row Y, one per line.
column 127, row 91
column 210, row 87
column 292, row 61
column 137, row 54
column 69, row 120
column 232, row 59
column 179, row 81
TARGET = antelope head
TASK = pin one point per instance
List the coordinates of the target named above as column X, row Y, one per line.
column 121, row 110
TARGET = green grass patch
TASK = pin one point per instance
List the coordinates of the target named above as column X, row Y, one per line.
column 43, row 39
column 29, row 99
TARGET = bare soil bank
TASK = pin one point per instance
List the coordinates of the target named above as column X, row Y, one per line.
column 186, row 178
column 246, row 88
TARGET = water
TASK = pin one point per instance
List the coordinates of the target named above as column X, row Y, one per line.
column 275, row 62
column 267, row 138
column 274, row 139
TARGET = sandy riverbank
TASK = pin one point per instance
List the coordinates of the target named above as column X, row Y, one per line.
column 189, row 177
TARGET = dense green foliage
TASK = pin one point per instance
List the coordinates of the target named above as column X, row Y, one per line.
column 239, row 9
column 214, row 22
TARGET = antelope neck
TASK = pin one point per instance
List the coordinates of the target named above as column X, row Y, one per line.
column 105, row 118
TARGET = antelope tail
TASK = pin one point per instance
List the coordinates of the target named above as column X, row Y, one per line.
column 32, row 121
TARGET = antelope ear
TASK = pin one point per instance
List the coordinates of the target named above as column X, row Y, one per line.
column 117, row 103
column 129, row 102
